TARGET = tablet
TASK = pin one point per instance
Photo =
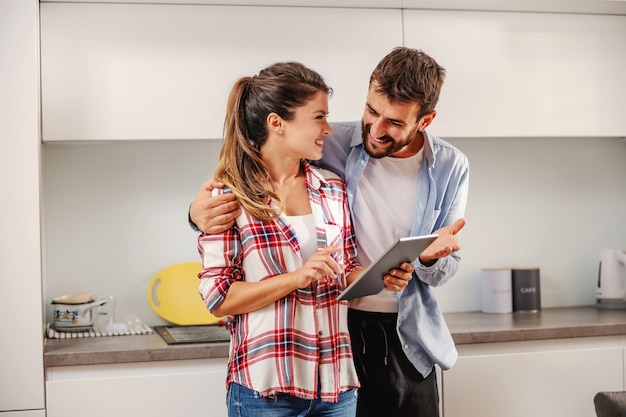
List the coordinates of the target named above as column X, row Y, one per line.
column 406, row 249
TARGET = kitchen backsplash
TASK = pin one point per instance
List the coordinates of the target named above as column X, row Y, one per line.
column 114, row 214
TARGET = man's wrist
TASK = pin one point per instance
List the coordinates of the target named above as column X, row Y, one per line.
column 191, row 223
column 424, row 263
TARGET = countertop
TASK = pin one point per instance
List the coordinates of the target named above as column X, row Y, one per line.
column 466, row 328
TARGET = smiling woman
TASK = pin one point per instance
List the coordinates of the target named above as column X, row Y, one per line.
column 289, row 254
column 273, row 121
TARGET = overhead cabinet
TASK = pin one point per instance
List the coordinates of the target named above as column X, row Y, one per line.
column 157, row 71
column 552, row 6
column 150, row 71
column 525, row 74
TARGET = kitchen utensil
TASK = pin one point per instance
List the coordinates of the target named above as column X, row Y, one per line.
column 611, row 286
column 173, row 295
column 133, row 323
column 74, row 314
column 104, row 320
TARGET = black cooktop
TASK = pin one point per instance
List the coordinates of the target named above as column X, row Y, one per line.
column 213, row 333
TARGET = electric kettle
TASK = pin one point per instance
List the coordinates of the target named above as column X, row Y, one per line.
column 611, row 289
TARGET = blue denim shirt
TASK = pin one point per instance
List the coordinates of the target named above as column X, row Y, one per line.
column 442, row 197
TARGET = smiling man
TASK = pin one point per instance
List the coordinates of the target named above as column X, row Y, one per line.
column 402, row 181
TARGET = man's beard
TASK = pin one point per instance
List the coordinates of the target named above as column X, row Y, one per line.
column 394, row 146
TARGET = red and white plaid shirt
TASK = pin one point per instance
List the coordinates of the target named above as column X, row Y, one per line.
column 298, row 345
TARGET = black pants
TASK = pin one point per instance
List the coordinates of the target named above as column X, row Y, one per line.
column 390, row 384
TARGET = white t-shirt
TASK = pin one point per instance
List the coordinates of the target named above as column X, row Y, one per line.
column 383, row 209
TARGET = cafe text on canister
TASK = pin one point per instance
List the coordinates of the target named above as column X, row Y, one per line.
column 526, row 289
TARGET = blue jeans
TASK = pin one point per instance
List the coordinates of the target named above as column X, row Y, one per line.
column 244, row 402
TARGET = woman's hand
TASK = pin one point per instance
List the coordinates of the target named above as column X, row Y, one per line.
column 318, row 267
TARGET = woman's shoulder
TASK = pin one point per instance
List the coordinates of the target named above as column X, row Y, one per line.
column 327, row 174
column 322, row 173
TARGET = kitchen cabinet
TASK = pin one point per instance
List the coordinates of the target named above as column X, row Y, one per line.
column 148, row 71
column 21, row 354
column 562, row 6
column 292, row 3
column 551, row 6
column 156, row 389
column 525, row 74
column 557, row 378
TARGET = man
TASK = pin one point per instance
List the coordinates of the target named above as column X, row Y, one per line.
column 402, row 181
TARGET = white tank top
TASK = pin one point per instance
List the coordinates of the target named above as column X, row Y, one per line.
column 304, row 227
column 383, row 209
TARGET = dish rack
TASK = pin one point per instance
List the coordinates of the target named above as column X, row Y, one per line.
column 52, row 333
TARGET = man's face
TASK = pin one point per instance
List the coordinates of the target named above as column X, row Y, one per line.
column 391, row 129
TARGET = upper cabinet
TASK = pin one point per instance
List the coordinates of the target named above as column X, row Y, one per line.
column 547, row 6
column 156, row 71
column 525, row 74
column 164, row 71
column 555, row 6
column 396, row 4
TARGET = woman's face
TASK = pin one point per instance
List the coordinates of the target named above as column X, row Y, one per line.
column 306, row 132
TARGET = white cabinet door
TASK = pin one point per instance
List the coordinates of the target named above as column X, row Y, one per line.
column 131, row 71
column 26, row 413
column 563, row 6
column 21, row 354
column 313, row 3
column 549, row 6
column 155, row 389
column 525, row 74
column 521, row 379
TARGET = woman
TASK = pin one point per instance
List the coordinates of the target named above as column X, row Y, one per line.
column 277, row 272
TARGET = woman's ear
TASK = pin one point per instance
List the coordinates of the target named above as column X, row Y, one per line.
column 275, row 123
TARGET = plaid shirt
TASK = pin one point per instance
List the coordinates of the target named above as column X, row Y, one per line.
column 298, row 345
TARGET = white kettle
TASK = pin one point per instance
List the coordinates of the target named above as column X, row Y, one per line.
column 611, row 289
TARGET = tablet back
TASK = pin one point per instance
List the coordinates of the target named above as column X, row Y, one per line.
column 406, row 249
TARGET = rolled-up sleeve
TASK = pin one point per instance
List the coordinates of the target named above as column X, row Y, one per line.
column 221, row 265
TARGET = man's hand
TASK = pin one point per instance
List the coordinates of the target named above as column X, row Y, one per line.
column 213, row 214
column 444, row 245
column 398, row 278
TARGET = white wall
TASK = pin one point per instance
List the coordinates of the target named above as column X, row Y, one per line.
column 115, row 214
column 547, row 203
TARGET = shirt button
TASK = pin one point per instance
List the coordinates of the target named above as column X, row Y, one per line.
column 319, row 333
column 406, row 347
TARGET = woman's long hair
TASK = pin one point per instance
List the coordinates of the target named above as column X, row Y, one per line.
column 280, row 88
